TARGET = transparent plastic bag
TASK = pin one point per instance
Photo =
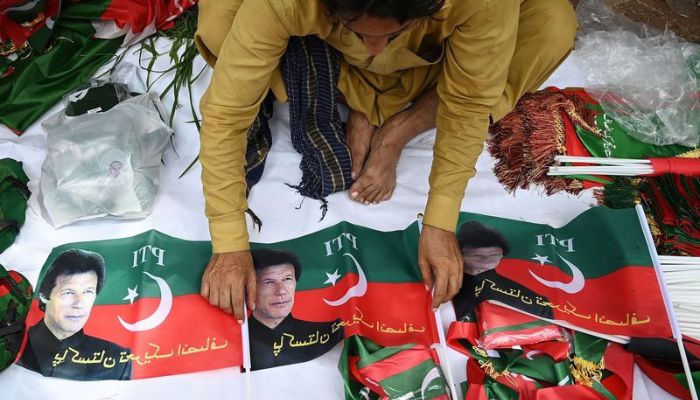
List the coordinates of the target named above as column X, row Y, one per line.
column 650, row 85
column 104, row 163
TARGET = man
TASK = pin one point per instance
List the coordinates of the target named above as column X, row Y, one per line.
column 407, row 66
column 483, row 248
column 276, row 337
column 57, row 345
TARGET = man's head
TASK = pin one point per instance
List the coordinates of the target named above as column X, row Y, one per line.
column 482, row 247
column 69, row 289
column 277, row 273
column 378, row 22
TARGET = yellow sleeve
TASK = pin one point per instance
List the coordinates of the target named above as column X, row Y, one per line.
column 475, row 69
column 241, row 79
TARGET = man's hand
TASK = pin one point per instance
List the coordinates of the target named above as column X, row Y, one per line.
column 227, row 279
column 440, row 262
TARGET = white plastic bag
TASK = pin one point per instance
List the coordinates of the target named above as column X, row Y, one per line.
column 650, row 84
column 105, row 163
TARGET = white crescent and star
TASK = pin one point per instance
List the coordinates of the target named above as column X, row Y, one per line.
column 132, row 294
column 358, row 290
column 161, row 312
column 577, row 281
column 429, row 377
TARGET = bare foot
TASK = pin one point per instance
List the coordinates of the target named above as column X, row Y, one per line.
column 359, row 137
column 378, row 178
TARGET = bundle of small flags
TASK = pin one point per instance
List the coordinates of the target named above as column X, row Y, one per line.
column 551, row 129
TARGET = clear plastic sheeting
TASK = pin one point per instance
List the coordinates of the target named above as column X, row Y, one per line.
column 651, row 85
column 104, row 163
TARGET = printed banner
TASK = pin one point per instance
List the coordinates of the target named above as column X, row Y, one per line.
column 594, row 274
column 127, row 309
column 342, row 281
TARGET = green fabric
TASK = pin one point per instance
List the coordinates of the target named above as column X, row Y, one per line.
column 40, row 81
column 618, row 144
column 13, row 200
column 394, row 251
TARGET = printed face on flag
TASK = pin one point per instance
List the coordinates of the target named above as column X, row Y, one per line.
column 68, row 308
column 560, row 274
column 123, row 308
column 355, row 281
column 481, row 259
column 275, row 294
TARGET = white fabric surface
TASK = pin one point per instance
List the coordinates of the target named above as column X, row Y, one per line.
column 179, row 211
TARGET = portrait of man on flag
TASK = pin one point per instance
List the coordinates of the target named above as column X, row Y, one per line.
column 57, row 346
column 276, row 337
column 483, row 249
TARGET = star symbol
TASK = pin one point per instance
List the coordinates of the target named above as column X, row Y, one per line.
column 132, row 294
column 541, row 259
column 332, row 278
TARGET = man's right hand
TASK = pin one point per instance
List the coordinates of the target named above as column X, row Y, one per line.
column 226, row 281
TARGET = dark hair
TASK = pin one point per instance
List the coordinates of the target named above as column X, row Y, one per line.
column 473, row 234
column 400, row 10
column 72, row 262
column 263, row 258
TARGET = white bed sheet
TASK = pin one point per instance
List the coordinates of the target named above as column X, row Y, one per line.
column 179, row 211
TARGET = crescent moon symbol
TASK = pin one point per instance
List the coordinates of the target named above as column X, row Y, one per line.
column 159, row 315
column 530, row 354
column 576, row 284
column 358, row 290
column 429, row 377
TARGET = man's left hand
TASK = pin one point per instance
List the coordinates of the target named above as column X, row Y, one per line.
column 440, row 262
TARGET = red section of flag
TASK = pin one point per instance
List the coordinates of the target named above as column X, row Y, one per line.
column 391, row 314
column 558, row 351
column 568, row 392
column 355, row 372
column 398, row 363
column 194, row 336
column 665, row 378
column 621, row 363
column 503, row 328
column 636, row 309
column 139, row 14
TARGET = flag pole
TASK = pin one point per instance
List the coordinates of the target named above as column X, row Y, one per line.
column 246, row 353
column 443, row 351
column 667, row 300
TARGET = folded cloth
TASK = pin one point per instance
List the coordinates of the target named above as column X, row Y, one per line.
column 310, row 69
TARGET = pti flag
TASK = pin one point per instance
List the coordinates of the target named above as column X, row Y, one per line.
column 127, row 309
column 371, row 371
column 344, row 280
column 561, row 274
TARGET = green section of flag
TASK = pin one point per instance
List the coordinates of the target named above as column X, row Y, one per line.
column 385, row 257
column 598, row 241
column 414, row 381
column 618, row 144
column 179, row 262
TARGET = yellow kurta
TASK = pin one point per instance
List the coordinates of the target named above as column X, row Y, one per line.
column 466, row 48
